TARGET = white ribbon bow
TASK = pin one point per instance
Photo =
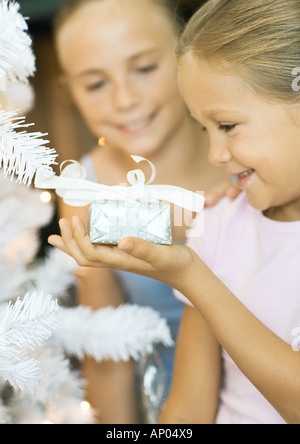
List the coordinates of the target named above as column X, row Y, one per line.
column 76, row 191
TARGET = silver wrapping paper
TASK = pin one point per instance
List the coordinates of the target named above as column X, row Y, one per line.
column 111, row 221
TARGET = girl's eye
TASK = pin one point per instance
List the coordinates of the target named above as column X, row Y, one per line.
column 227, row 128
column 96, row 86
column 147, row 69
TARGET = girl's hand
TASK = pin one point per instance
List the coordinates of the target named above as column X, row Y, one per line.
column 223, row 189
column 169, row 264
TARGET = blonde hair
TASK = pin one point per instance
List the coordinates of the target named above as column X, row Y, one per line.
column 69, row 7
column 258, row 39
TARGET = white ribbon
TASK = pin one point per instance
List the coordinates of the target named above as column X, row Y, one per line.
column 76, row 191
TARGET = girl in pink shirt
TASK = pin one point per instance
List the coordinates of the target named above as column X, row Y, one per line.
column 237, row 359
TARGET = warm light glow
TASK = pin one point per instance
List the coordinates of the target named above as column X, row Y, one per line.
column 46, row 197
column 85, row 406
column 102, row 141
column 46, row 422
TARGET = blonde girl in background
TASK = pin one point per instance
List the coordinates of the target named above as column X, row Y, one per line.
column 242, row 276
column 117, row 60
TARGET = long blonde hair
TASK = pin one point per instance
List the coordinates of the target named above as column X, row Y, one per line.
column 259, row 39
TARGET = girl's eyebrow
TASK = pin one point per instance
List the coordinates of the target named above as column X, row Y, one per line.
column 220, row 112
column 143, row 53
column 89, row 72
column 133, row 58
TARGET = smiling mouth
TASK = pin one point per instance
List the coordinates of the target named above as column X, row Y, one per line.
column 245, row 174
column 138, row 125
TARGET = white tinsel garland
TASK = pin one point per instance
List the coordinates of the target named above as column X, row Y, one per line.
column 17, row 61
column 117, row 334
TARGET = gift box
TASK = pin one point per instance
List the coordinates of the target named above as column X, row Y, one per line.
column 111, row 221
column 141, row 210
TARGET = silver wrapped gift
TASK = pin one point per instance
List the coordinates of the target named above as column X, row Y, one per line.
column 110, row 221
column 121, row 211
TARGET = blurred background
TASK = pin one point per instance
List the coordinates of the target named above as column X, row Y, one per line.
column 53, row 112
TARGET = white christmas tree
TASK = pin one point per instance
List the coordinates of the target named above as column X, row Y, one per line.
column 38, row 333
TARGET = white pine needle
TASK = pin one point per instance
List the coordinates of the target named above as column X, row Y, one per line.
column 28, row 322
column 8, row 187
column 67, row 410
column 23, row 326
column 55, row 370
column 21, row 218
column 54, row 276
column 19, row 96
column 17, row 61
column 117, row 334
column 20, row 371
column 12, row 282
column 23, row 154
column 62, row 396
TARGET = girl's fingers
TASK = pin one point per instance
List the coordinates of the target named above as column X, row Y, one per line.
column 79, row 232
column 57, row 242
column 71, row 244
column 217, row 193
column 233, row 191
column 141, row 249
column 92, row 252
column 132, row 254
column 101, row 255
column 79, row 226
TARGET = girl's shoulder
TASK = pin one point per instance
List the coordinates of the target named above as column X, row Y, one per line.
column 229, row 212
column 218, row 224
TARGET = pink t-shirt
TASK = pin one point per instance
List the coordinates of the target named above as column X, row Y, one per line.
column 259, row 261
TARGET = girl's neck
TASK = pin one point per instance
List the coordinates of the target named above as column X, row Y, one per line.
column 286, row 213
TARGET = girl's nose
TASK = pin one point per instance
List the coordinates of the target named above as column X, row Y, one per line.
column 219, row 154
column 126, row 96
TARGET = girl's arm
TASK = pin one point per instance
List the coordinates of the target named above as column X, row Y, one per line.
column 194, row 393
column 267, row 361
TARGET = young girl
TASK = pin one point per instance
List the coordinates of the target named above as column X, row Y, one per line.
column 122, row 76
column 242, row 276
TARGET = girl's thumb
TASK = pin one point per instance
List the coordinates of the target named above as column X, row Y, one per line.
column 139, row 248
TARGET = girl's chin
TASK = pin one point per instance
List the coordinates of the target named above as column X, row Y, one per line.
column 257, row 202
column 141, row 151
column 138, row 147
